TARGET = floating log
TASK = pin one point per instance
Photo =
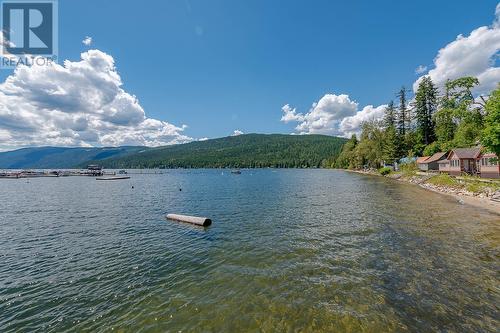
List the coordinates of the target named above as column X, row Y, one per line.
column 203, row 221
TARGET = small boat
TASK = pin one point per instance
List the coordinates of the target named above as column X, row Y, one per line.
column 122, row 172
column 112, row 178
column 236, row 172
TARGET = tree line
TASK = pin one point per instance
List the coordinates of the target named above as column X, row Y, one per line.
column 429, row 124
column 243, row 151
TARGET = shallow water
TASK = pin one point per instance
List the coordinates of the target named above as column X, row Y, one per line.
column 289, row 250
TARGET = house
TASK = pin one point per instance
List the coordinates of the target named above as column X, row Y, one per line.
column 420, row 163
column 464, row 160
column 444, row 166
column 431, row 163
column 489, row 166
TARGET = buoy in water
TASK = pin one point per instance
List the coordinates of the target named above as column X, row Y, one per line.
column 203, row 221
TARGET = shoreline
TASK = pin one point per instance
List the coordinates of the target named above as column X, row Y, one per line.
column 463, row 198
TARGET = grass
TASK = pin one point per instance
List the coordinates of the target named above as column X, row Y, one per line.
column 469, row 183
column 475, row 187
column 445, row 180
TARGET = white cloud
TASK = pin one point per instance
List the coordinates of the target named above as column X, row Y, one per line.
column 237, row 132
column 324, row 117
column 472, row 55
column 203, row 139
column 420, row 69
column 332, row 115
column 87, row 41
column 80, row 103
column 290, row 114
column 352, row 125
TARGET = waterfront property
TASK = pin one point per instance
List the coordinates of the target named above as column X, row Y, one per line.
column 464, row 160
column 420, row 162
column 444, row 166
column 431, row 163
column 489, row 166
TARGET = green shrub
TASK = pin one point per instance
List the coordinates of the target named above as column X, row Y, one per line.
column 384, row 171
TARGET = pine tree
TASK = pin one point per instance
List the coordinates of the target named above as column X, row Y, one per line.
column 390, row 115
column 426, row 105
column 390, row 145
column 402, row 115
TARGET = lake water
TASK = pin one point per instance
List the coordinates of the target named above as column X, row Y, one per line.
column 288, row 251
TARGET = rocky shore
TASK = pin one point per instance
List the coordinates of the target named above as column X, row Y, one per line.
column 487, row 198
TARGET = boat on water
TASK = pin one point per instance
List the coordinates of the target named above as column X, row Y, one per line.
column 236, row 172
column 113, row 178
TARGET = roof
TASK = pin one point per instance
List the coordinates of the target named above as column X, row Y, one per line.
column 422, row 159
column 467, row 152
column 443, row 161
column 436, row 157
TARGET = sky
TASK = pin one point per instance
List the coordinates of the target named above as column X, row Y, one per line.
column 165, row 72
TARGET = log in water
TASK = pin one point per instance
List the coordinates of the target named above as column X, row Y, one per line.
column 203, row 221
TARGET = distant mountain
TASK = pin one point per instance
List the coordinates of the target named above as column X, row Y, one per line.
column 54, row 157
column 242, row 151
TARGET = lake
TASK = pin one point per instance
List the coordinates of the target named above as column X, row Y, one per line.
column 288, row 251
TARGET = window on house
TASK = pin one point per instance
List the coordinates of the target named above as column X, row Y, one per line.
column 488, row 161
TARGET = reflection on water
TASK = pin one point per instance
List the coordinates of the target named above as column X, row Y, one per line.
column 289, row 250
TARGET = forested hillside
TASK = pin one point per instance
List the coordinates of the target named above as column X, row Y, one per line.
column 243, row 151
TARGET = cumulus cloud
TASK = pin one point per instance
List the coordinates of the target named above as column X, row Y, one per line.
column 324, row 116
column 80, row 103
column 472, row 55
column 290, row 114
column 420, row 69
column 87, row 41
column 352, row 125
column 237, row 132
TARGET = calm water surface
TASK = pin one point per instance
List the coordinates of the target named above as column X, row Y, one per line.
column 289, row 251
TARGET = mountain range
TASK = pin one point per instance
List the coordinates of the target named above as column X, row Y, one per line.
column 247, row 150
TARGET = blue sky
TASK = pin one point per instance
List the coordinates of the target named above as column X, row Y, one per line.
column 218, row 66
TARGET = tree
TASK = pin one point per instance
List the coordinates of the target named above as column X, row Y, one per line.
column 368, row 152
column 390, row 115
column 491, row 133
column 403, row 112
column 346, row 158
column 426, row 105
column 459, row 91
column 390, row 146
column 445, row 128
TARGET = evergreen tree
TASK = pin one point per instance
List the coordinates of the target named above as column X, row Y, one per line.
column 390, row 146
column 425, row 106
column 390, row 115
column 403, row 112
